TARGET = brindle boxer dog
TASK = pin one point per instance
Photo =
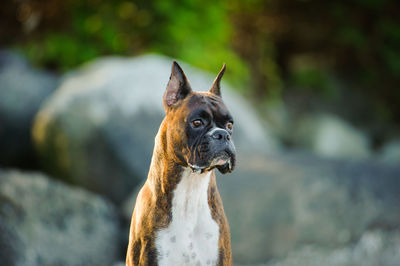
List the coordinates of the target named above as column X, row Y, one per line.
column 178, row 217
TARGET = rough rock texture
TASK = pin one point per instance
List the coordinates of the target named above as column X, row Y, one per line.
column 330, row 136
column 377, row 247
column 43, row 222
column 22, row 90
column 102, row 120
column 390, row 152
column 277, row 204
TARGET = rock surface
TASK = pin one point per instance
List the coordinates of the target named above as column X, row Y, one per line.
column 22, row 90
column 332, row 137
column 375, row 247
column 43, row 222
column 276, row 204
column 391, row 151
column 102, row 120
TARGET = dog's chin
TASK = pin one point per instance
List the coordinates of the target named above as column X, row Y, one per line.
column 224, row 169
column 224, row 162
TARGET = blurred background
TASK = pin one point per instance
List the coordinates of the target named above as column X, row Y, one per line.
column 313, row 87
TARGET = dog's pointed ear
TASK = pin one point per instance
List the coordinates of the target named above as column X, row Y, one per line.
column 215, row 87
column 178, row 87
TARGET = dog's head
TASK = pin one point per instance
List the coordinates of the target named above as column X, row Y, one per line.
column 199, row 125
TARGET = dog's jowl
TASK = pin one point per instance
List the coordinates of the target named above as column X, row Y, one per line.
column 178, row 217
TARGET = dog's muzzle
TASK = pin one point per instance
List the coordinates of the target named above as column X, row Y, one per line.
column 216, row 150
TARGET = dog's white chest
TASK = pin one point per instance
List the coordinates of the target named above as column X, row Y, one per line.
column 192, row 236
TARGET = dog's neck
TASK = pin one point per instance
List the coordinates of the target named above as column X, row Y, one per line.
column 164, row 174
column 189, row 235
column 191, row 196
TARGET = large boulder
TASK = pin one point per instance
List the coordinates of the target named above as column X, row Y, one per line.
column 376, row 247
column 390, row 152
column 276, row 204
column 329, row 136
column 44, row 222
column 97, row 129
column 22, row 90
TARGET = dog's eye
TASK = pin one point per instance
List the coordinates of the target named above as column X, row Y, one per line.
column 229, row 125
column 197, row 123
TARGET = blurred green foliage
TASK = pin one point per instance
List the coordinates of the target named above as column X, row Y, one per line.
column 271, row 47
column 306, row 45
column 72, row 32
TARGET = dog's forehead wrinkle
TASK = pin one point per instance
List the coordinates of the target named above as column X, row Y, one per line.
column 211, row 104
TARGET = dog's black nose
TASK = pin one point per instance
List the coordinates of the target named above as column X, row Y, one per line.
column 221, row 134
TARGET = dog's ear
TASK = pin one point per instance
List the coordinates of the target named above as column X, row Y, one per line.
column 178, row 87
column 215, row 87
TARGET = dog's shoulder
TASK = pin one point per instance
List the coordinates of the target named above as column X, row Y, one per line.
column 141, row 248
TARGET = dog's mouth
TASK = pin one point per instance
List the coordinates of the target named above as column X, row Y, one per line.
column 224, row 161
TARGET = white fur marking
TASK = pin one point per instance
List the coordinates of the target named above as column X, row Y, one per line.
column 192, row 228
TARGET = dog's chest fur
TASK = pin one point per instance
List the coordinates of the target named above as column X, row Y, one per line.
column 192, row 236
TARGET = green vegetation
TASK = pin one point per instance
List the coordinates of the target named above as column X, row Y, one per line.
column 271, row 47
column 73, row 32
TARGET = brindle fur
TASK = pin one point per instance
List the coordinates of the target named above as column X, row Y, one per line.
column 153, row 205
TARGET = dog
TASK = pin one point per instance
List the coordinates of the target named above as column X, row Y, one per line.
column 178, row 217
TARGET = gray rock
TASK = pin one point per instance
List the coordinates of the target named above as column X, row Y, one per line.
column 391, row 151
column 329, row 136
column 22, row 90
column 375, row 247
column 43, row 222
column 276, row 204
column 97, row 129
